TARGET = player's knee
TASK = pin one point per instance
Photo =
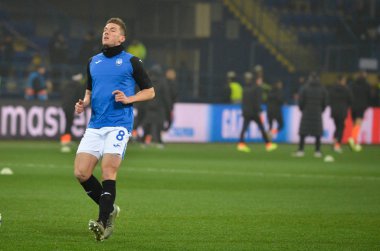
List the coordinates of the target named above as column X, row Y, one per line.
column 109, row 173
column 81, row 176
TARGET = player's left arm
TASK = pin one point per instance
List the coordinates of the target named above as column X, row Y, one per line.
column 143, row 81
column 143, row 95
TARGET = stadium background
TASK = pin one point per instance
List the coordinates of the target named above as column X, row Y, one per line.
column 203, row 40
column 194, row 196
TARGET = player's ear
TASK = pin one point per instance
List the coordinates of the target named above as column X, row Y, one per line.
column 122, row 39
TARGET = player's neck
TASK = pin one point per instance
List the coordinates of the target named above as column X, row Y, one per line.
column 110, row 52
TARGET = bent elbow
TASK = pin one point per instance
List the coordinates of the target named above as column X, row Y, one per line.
column 152, row 94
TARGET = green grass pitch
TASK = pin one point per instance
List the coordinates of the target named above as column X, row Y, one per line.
column 195, row 197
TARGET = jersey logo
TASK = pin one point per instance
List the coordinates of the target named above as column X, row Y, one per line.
column 97, row 62
column 119, row 61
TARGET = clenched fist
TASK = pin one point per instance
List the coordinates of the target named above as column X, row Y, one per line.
column 79, row 106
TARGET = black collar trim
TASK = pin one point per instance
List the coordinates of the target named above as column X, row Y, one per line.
column 110, row 52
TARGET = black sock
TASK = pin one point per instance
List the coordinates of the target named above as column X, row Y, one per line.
column 302, row 143
column 317, row 143
column 93, row 188
column 106, row 200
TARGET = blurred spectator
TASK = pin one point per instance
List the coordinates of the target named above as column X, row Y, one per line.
column 312, row 102
column 6, row 57
column 35, row 62
column 139, row 112
column 259, row 73
column 90, row 46
column 185, row 79
column 137, row 49
column 340, row 101
column 248, row 78
column 234, row 88
column 58, row 52
column 251, row 109
column 171, row 82
column 71, row 93
column 361, row 91
column 373, row 92
column 377, row 97
column 297, row 87
column 36, row 85
column 156, row 109
column 274, row 108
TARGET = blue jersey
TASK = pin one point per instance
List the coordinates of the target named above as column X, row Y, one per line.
column 107, row 74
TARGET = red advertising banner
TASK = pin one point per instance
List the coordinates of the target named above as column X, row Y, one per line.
column 370, row 129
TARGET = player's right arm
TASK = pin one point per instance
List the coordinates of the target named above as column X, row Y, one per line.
column 83, row 103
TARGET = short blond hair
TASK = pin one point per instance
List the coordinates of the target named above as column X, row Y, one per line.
column 120, row 22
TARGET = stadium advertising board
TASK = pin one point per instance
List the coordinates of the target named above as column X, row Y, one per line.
column 36, row 120
column 192, row 123
column 370, row 130
column 227, row 123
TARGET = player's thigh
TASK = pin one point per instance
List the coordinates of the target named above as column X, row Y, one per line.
column 114, row 150
column 110, row 166
column 84, row 165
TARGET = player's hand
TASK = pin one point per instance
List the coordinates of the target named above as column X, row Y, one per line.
column 79, row 106
column 120, row 97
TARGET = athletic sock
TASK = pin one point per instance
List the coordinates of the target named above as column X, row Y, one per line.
column 93, row 188
column 301, row 143
column 317, row 143
column 106, row 200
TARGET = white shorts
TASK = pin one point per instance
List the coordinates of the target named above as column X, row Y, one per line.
column 98, row 142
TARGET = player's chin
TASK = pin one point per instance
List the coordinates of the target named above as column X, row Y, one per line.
column 106, row 43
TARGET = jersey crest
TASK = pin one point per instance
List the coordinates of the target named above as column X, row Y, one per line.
column 119, row 62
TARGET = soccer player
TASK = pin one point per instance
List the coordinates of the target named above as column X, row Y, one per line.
column 340, row 100
column 275, row 102
column 312, row 103
column 361, row 91
column 112, row 76
column 252, row 99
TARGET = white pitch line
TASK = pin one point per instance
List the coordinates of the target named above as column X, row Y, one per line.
column 207, row 172
column 260, row 174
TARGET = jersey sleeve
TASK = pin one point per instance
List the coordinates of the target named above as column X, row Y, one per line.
column 139, row 74
column 89, row 78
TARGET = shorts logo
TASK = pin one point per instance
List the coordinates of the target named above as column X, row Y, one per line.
column 116, row 145
column 119, row 61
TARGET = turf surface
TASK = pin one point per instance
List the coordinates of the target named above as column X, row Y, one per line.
column 195, row 197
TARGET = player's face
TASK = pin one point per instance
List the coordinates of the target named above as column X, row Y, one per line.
column 112, row 35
